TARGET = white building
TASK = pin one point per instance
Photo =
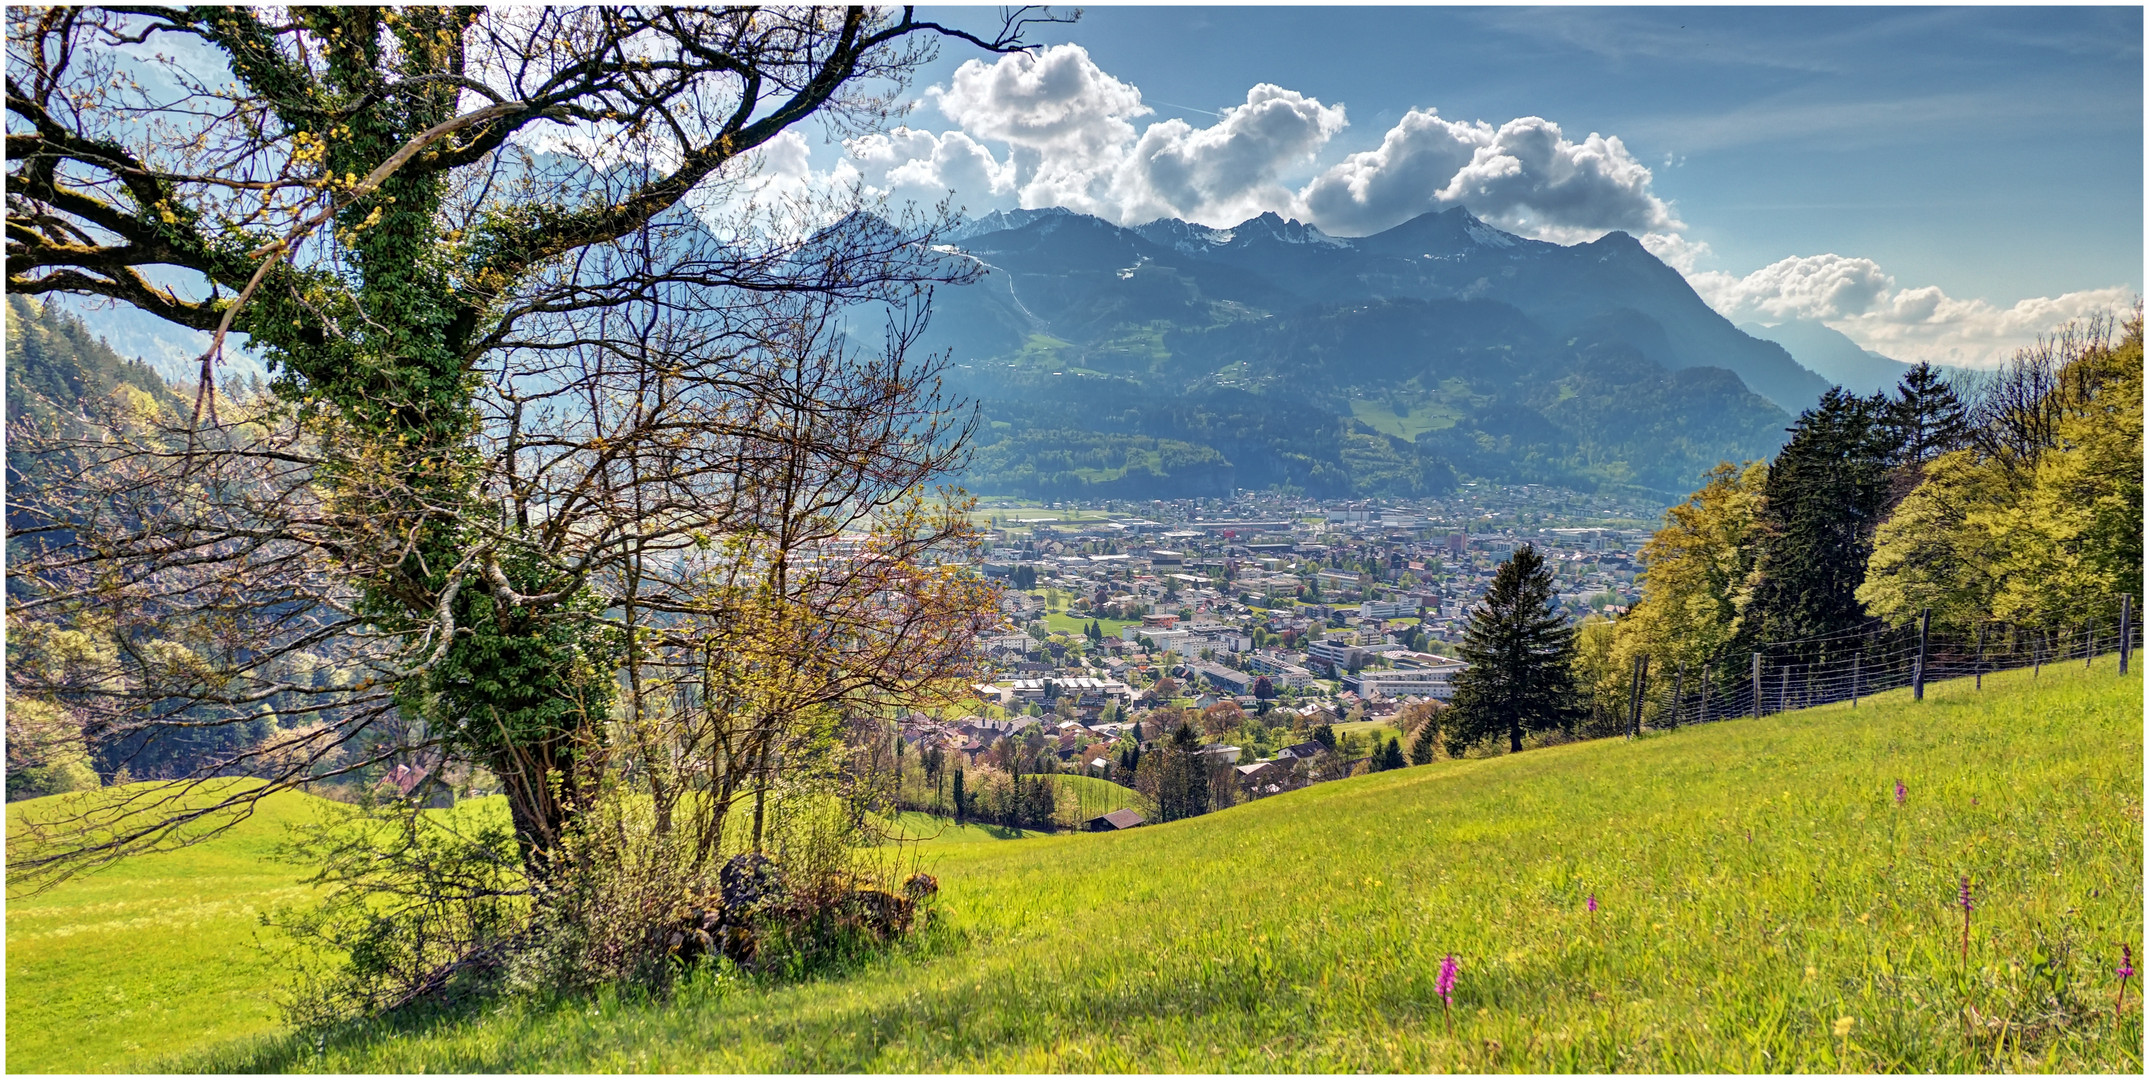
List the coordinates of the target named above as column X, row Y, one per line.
column 1430, row 682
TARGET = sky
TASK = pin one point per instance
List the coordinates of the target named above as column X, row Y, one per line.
column 1938, row 183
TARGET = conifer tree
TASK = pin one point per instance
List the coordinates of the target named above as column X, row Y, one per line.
column 1520, row 653
column 1421, row 747
column 1825, row 495
column 1391, row 755
column 1926, row 418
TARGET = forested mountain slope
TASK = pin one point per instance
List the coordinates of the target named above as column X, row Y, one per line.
column 1172, row 359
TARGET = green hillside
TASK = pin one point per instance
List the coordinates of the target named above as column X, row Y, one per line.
column 117, row 969
column 1758, row 884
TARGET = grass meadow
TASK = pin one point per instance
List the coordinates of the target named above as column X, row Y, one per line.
column 113, row 971
column 1763, row 904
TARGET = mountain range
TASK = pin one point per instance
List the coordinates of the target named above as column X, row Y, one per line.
column 1172, row 359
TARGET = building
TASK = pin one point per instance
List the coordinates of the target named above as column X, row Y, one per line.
column 1388, row 609
column 1114, row 821
column 1336, row 654
column 1425, row 682
column 1223, row 678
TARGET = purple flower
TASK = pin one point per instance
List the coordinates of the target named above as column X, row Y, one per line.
column 1593, row 903
column 2125, row 972
column 1900, row 792
column 1446, row 986
column 1964, row 896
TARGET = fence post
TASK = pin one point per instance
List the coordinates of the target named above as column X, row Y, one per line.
column 1757, row 686
column 1854, row 680
column 2126, row 630
column 1917, row 674
column 1634, row 699
column 1678, row 690
column 2089, row 648
column 1980, row 656
column 1783, row 688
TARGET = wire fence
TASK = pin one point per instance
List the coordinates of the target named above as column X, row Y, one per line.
column 1856, row 664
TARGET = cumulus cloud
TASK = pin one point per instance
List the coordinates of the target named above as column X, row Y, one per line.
column 1374, row 189
column 1820, row 287
column 925, row 167
column 1067, row 123
column 1525, row 175
column 1677, row 251
column 1051, row 128
column 1855, row 296
column 1225, row 173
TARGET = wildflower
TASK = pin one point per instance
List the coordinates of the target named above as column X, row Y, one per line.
column 1593, row 903
column 1844, row 1025
column 2125, row 972
column 1445, row 987
column 1900, row 792
column 1963, row 898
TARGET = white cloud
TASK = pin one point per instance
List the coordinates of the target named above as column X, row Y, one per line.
column 1820, row 287
column 1857, row 297
column 1524, row 175
column 1053, row 129
column 1065, row 121
column 1374, row 189
column 925, row 167
column 1675, row 249
column 1225, row 173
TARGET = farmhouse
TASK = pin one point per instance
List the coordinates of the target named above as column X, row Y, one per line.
column 1114, row 821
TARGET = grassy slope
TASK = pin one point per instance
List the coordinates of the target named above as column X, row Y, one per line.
column 120, row 968
column 1757, row 882
column 1068, row 624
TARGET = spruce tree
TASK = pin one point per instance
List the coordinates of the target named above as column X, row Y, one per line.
column 1926, row 418
column 1391, row 755
column 1421, row 747
column 1825, row 494
column 1520, row 653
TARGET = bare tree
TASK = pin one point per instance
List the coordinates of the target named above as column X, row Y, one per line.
column 573, row 462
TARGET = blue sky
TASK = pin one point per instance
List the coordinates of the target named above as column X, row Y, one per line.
column 1917, row 177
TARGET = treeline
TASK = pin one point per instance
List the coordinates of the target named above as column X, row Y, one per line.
column 2015, row 497
column 1006, row 794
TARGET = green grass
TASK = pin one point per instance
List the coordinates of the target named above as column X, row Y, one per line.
column 1064, row 623
column 1092, row 796
column 1380, row 415
column 118, row 969
column 935, row 832
column 1757, row 880
column 1381, row 728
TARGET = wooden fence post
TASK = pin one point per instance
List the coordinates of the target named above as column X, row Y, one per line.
column 1854, row 680
column 1757, row 686
column 1980, row 656
column 2126, row 630
column 1641, row 666
column 1678, row 689
column 1917, row 674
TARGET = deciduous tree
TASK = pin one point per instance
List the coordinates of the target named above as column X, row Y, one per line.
column 567, row 406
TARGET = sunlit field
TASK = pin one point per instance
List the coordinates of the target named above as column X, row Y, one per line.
column 1763, row 903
